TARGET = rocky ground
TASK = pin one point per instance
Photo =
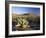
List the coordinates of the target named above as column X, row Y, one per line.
column 31, row 27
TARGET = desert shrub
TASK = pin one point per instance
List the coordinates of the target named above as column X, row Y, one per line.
column 34, row 20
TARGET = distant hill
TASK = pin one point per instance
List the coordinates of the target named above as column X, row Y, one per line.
column 24, row 15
